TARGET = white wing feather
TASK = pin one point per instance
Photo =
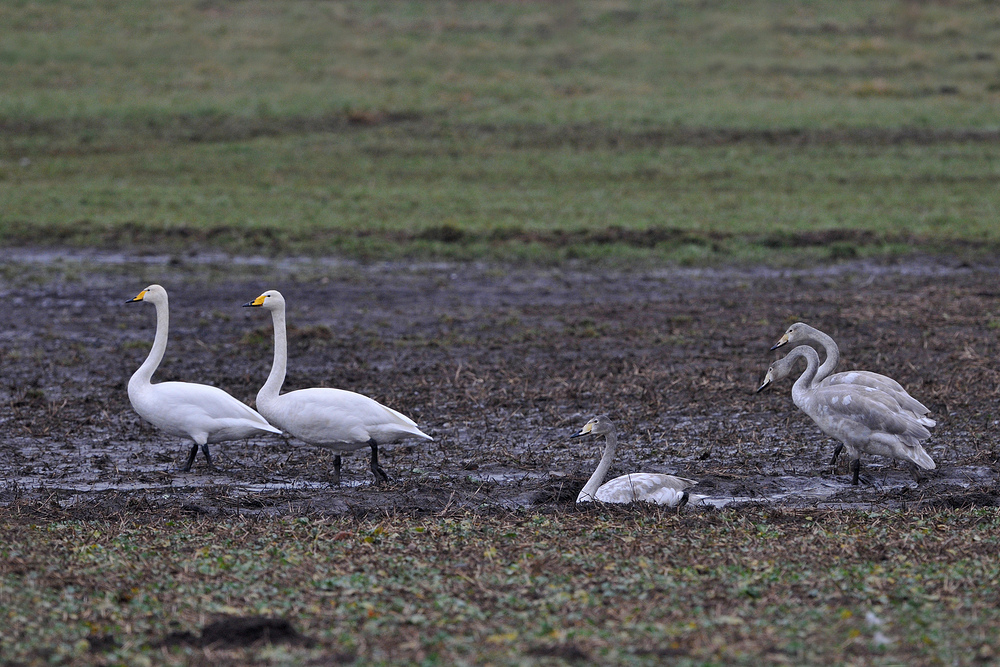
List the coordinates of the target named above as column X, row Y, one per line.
column 646, row 487
column 190, row 410
column 339, row 419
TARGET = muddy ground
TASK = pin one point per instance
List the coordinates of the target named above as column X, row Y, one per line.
column 501, row 364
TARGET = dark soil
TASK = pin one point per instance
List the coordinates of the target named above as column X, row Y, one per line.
column 240, row 631
column 501, row 365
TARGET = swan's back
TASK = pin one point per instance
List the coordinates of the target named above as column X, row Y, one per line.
column 803, row 334
column 887, row 385
column 867, row 418
column 643, row 486
column 187, row 409
column 336, row 417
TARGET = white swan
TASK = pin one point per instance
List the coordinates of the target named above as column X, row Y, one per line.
column 203, row 414
column 644, row 486
column 801, row 333
column 864, row 419
column 332, row 418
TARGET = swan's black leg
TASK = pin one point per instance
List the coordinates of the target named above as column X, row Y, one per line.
column 684, row 500
column 208, row 457
column 914, row 470
column 187, row 466
column 836, row 454
column 380, row 476
column 336, row 470
column 855, row 469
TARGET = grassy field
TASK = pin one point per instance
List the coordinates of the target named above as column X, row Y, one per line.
column 613, row 130
column 618, row 587
column 542, row 131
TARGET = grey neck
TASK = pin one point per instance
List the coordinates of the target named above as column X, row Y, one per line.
column 590, row 488
column 832, row 360
column 805, row 380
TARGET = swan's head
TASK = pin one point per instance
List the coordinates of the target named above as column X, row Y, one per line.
column 798, row 333
column 154, row 294
column 599, row 425
column 783, row 367
column 769, row 379
column 269, row 300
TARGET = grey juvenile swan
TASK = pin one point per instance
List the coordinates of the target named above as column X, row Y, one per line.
column 645, row 486
column 864, row 419
column 802, row 334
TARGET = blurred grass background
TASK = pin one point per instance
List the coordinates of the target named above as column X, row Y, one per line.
column 685, row 131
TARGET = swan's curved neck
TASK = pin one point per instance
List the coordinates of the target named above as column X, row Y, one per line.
column 832, row 354
column 590, row 488
column 805, row 381
column 276, row 378
column 145, row 372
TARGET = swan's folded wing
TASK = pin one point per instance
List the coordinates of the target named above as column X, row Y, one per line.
column 648, row 487
column 873, row 409
column 885, row 384
column 330, row 416
column 187, row 408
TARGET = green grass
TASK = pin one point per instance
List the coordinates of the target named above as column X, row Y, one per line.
column 752, row 131
column 748, row 587
column 745, row 64
column 382, row 194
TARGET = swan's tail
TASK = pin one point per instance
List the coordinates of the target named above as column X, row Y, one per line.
column 919, row 456
column 407, row 425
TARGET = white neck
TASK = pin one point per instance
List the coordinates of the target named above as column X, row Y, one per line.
column 594, row 483
column 145, row 372
column 276, row 378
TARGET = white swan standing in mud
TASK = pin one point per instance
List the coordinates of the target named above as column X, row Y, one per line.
column 801, row 333
column 644, row 486
column 201, row 413
column 862, row 418
column 331, row 418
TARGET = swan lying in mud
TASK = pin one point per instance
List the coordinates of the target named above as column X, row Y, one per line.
column 803, row 334
column 332, row 418
column 201, row 413
column 862, row 418
column 645, row 486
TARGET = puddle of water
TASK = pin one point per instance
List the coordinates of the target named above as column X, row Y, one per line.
column 291, row 486
column 719, row 503
column 507, row 476
column 39, row 483
column 797, row 488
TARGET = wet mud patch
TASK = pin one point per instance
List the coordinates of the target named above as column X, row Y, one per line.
column 240, row 632
column 500, row 364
